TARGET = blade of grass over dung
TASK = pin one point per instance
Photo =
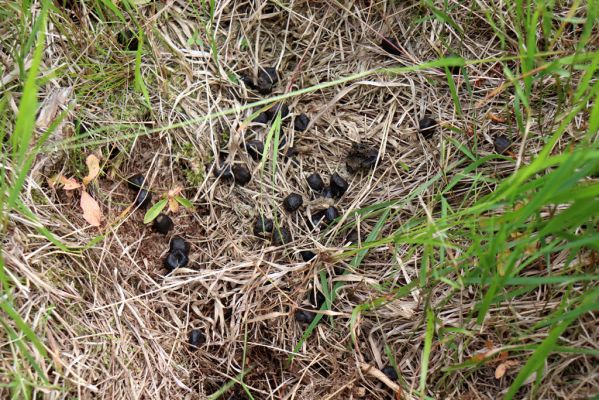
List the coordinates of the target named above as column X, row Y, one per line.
column 355, row 263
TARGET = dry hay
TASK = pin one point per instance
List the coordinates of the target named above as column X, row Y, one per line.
column 117, row 326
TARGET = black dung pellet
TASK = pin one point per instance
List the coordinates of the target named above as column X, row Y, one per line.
column 454, row 69
column 255, row 148
column 196, row 339
column 247, row 81
column 327, row 193
column 300, row 123
column 263, row 226
column 163, row 224
column 136, row 182
column 361, row 157
column 262, row 118
column 427, row 126
column 274, row 110
column 292, row 202
column 338, row 185
column 307, row 255
column 339, row 269
column 281, row 236
column 143, row 198
column 179, row 244
column 331, row 214
column 128, row 40
column 113, row 151
column 267, row 79
column 223, row 172
column 176, row 259
column 352, row 237
column 304, row 316
column 391, row 45
column 316, row 219
column 242, row 174
column 315, row 182
column 290, row 153
column 317, row 300
column 501, row 144
column 390, row 373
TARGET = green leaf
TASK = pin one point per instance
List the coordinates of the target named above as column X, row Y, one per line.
column 184, row 202
column 153, row 212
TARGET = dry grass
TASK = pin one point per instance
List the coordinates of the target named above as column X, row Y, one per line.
column 116, row 325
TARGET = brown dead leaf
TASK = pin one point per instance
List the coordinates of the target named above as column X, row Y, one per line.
column 503, row 367
column 69, row 183
column 91, row 209
column 173, row 205
column 496, row 118
column 93, row 168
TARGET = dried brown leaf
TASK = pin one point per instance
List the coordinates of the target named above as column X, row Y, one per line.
column 503, row 367
column 173, row 205
column 93, row 168
column 91, row 209
column 69, row 183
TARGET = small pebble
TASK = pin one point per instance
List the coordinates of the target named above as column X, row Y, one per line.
column 267, row 79
column 390, row 373
column 331, row 214
column 315, row 182
column 292, row 202
column 241, row 174
column 304, row 316
column 255, row 149
column 307, row 255
column 361, row 157
column 179, row 244
column 175, row 259
column 196, row 339
column 163, row 224
column 391, row 45
column 143, row 198
column 427, row 126
column 300, row 123
column 338, row 185
column 136, row 182
column 501, row 144
column 263, row 226
column 281, row 236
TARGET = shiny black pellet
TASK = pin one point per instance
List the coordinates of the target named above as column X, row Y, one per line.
column 241, row 174
column 163, row 224
column 143, row 198
column 427, row 127
column 292, row 202
column 175, row 259
column 338, row 185
column 315, row 182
